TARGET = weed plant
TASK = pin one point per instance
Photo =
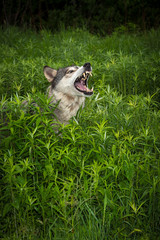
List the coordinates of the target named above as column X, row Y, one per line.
column 99, row 178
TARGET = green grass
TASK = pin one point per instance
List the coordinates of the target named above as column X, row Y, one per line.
column 99, row 179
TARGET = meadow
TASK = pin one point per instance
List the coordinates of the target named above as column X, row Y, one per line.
column 100, row 178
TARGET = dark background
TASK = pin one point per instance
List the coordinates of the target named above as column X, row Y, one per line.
column 101, row 17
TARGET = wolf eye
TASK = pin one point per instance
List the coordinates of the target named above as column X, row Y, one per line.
column 71, row 71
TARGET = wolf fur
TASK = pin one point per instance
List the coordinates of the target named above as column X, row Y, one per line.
column 68, row 88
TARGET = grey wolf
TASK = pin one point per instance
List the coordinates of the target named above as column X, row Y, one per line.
column 68, row 88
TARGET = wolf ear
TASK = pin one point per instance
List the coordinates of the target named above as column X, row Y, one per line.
column 49, row 73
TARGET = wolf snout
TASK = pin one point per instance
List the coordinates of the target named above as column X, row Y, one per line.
column 87, row 66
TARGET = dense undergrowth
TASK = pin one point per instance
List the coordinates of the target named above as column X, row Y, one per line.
column 100, row 178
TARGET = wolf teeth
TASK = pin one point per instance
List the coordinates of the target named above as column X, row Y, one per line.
column 88, row 72
column 89, row 90
column 85, row 75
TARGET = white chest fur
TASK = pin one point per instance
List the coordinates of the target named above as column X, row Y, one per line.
column 68, row 105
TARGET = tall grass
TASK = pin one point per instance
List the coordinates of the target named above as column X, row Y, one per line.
column 99, row 179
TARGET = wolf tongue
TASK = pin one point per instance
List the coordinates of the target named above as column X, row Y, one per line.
column 81, row 86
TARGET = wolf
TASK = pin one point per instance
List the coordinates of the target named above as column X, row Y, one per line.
column 68, row 89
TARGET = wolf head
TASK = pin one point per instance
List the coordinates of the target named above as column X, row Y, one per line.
column 70, row 80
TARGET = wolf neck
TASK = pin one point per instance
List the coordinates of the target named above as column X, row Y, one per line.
column 68, row 105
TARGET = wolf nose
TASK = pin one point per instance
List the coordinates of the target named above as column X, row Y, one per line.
column 87, row 66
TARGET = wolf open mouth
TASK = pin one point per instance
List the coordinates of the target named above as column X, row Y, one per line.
column 81, row 83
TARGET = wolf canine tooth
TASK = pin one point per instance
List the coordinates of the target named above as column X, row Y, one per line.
column 89, row 72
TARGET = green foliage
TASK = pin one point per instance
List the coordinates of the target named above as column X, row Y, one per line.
column 99, row 178
column 130, row 63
